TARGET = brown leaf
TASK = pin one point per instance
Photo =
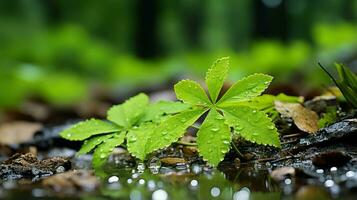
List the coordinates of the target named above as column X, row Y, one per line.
column 305, row 119
column 72, row 181
column 18, row 132
column 172, row 160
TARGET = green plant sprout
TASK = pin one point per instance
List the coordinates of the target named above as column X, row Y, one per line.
column 149, row 127
column 347, row 83
column 103, row 136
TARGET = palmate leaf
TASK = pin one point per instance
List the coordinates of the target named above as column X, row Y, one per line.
column 245, row 89
column 151, row 136
column 91, row 143
column 266, row 101
column 88, row 128
column 252, row 125
column 137, row 139
column 213, row 138
column 215, row 77
column 191, row 93
column 155, row 111
column 128, row 113
column 166, row 132
column 103, row 151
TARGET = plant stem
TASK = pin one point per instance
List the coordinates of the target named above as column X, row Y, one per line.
column 237, row 151
column 194, row 126
column 186, row 143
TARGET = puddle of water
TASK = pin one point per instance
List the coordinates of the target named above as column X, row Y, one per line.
column 184, row 182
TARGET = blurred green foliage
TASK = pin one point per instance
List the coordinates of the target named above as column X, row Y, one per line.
column 57, row 51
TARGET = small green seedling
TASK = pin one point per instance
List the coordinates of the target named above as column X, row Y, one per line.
column 347, row 83
column 224, row 115
column 149, row 127
column 103, row 136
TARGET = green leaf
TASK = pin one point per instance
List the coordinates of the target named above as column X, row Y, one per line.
column 347, row 76
column 345, row 83
column 156, row 110
column 191, row 92
column 171, row 130
column 348, row 93
column 213, row 138
column 246, row 89
column 252, row 125
column 329, row 117
column 91, row 143
column 265, row 103
column 88, row 128
column 103, row 151
column 128, row 113
column 137, row 139
column 215, row 77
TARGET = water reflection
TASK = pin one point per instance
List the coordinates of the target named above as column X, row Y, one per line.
column 199, row 183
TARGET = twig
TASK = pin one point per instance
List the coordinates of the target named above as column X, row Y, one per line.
column 292, row 135
column 237, row 150
column 288, row 142
column 285, row 158
column 186, row 143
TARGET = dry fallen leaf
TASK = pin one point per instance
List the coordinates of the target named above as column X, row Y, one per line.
column 72, row 181
column 305, row 119
column 172, row 160
column 18, row 132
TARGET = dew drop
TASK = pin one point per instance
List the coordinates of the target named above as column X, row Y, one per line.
column 238, row 128
column 215, row 191
column 159, row 195
column 350, row 174
column 214, row 129
column 194, row 183
column 113, row 179
column 219, row 116
column 226, row 142
column 329, row 183
column 271, row 127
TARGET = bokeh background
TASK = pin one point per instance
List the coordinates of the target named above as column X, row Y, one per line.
column 75, row 58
